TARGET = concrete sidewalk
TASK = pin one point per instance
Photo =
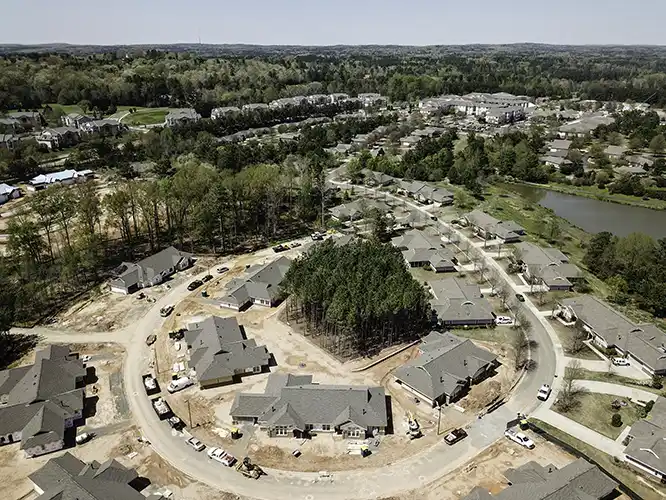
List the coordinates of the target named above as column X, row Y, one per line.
column 579, row 431
column 616, row 390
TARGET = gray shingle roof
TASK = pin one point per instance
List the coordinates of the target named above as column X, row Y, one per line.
column 68, row 478
column 146, row 269
column 604, row 320
column 579, row 480
column 334, row 405
column 262, row 283
column 218, row 349
column 417, row 240
column 446, row 363
column 40, row 397
column 648, row 443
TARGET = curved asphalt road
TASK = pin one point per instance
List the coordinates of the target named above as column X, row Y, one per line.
column 393, row 479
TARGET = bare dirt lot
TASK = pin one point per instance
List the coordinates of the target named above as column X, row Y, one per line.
column 487, row 468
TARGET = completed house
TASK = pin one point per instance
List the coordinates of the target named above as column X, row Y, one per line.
column 75, row 120
column 27, row 119
column 457, row 303
column 546, row 266
column 354, row 210
column 65, row 178
column 446, row 368
column 221, row 354
column 39, row 401
column 8, row 192
column 217, row 113
column 294, row 406
column 423, row 249
column 643, row 344
column 68, row 478
column 579, row 480
column 262, row 286
column 59, row 137
column 615, row 152
column 9, row 141
column 150, row 271
column 488, row 227
column 105, row 127
column 181, row 116
column 646, row 450
column 583, row 126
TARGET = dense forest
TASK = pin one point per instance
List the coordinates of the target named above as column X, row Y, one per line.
column 634, row 268
column 356, row 298
column 176, row 79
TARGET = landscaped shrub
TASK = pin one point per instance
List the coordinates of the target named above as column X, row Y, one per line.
column 616, row 421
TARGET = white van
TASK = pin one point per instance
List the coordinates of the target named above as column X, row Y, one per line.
column 179, row 384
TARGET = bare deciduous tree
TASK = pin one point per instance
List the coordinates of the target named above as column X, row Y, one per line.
column 568, row 397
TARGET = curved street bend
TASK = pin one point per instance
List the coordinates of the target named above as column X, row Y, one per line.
column 396, row 478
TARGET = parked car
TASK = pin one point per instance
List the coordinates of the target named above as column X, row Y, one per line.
column 433, row 217
column 179, row 384
column 150, row 384
column 206, row 278
column 520, row 297
column 520, row 438
column 196, row 444
column 176, row 423
column 620, row 361
column 84, row 437
column 454, row 436
column 150, row 339
column 296, row 244
column 177, row 334
column 222, row 270
column 194, row 285
column 317, row 236
column 86, row 357
column 166, row 310
column 503, row 320
column 219, row 455
column 544, row 392
column 280, row 248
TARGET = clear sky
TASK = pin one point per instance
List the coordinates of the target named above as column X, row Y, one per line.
column 328, row 22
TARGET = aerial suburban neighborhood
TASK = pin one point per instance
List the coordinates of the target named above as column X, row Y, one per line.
column 370, row 272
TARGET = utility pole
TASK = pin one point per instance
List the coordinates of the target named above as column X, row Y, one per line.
column 189, row 413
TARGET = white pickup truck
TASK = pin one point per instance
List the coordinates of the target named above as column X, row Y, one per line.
column 520, row 438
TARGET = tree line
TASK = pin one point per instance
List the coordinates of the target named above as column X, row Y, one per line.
column 356, row 298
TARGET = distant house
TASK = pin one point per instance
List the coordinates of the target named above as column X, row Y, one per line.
column 27, row 119
column 457, row 303
column 76, row 120
column 579, row 480
column 8, row 192
column 631, row 170
column 217, row 113
column 371, row 99
column 39, row 402
column 547, row 266
column 558, row 145
column 410, row 141
column 338, row 97
column 643, row 344
column 68, row 478
column 583, row 126
column 258, row 106
column 488, row 227
column 294, row 406
column 262, row 286
column 555, row 161
column 446, row 368
column 318, row 99
column 59, row 137
column 181, row 116
column 106, row 127
column 221, row 354
column 615, row 152
column 422, row 249
column 150, row 271
column 65, row 178
column 646, row 450
column 354, row 210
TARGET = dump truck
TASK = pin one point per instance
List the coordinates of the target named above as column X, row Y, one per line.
column 248, row 469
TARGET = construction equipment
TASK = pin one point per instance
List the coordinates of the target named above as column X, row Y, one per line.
column 248, row 469
column 236, row 433
column 413, row 428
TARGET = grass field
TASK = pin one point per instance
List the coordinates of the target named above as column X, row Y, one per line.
column 501, row 334
column 147, row 116
column 617, row 469
column 67, row 108
column 595, row 412
column 612, row 378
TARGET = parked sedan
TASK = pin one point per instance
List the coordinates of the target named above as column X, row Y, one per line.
column 206, row 278
column 454, row 436
column 196, row 444
column 503, row 320
column 520, row 297
column 194, row 285
column 544, row 392
column 222, row 270
column 219, row 455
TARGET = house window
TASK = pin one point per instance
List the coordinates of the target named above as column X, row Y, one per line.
column 354, row 433
column 256, row 369
column 281, row 430
column 308, row 427
column 325, row 427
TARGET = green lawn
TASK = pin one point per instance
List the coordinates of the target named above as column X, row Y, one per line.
column 147, row 116
column 595, row 412
column 617, row 379
column 67, row 108
column 617, row 469
column 565, row 335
